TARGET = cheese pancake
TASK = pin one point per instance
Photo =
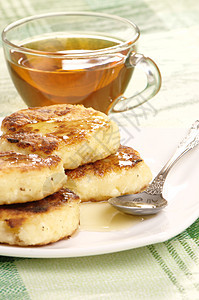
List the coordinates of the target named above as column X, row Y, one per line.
column 78, row 135
column 121, row 173
column 41, row 222
column 26, row 178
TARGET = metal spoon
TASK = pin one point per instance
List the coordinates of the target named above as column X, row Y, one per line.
column 151, row 200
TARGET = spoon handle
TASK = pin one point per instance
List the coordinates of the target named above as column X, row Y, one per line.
column 190, row 141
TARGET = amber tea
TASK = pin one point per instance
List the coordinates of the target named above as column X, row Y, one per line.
column 51, row 78
column 78, row 57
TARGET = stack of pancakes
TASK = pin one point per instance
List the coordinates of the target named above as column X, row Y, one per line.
column 53, row 157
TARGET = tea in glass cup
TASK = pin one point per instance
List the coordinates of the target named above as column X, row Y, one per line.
column 77, row 58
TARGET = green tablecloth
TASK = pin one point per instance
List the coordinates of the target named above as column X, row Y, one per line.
column 169, row 270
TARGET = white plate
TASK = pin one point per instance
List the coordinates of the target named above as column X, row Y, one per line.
column 181, row 191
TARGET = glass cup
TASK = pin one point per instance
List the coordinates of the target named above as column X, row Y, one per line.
column 78, row 58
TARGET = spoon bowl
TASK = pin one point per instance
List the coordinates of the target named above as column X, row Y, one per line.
column 139, row 204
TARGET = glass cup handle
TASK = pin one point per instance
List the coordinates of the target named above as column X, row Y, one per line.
column 152, row 87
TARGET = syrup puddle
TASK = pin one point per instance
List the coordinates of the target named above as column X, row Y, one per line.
column 101, row 216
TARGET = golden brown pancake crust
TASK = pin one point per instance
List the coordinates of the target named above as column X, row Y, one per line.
column 35, row 115
column 11, row 159
column 16, row 214
column 43, row 129
column 34, row 142
column 125, row 157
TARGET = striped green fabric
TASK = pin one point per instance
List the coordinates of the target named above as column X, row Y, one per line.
column 11, row 283
column 169, row 270
column 160, row 271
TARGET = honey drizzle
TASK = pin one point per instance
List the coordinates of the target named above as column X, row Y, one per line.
column 101, row 216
